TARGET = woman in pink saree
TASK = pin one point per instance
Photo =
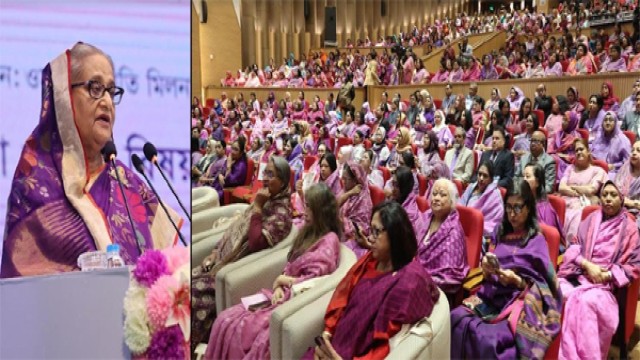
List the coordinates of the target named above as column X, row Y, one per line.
column 628, row 181
column 239, row 333
column 355, row 207
column 579, row 186
column 65, row 199
column 583, row 63
column 604, row 256
column 561, row 146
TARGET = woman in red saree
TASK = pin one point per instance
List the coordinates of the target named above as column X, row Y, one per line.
column 384, row 290
column 561, row 145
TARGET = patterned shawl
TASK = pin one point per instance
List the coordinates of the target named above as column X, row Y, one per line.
column 53, row 214
column 357, row 208
column 276, row 225
column 564, row 138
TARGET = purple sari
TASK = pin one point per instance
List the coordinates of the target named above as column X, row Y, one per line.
column 489, row 203
column 242, row 334
column 444, row 253
column 54, row 211
column 357, row 210
column 547, row 215
column 536, row 323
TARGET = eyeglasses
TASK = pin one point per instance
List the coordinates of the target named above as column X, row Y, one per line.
column 375, row 232
column 517, row 209
column 97, row 90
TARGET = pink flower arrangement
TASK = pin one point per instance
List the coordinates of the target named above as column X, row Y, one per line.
column 157, row 305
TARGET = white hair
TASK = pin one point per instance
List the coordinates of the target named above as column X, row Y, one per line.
column 451, row 188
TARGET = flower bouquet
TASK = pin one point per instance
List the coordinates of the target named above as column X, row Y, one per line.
column 157, row 305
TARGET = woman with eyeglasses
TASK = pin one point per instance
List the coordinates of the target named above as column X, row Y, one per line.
column 523, row 141
column 593, row 117
column 604, row 256
column 611, row 145
column 355, row 207
column 234, row 170
column 262, row 225
column 315, row 252
column 441, row 245
column 65, row 199
column 485, row 196
column 202, row 166
column 516, row 312
column 383, row 291
column 579, row 186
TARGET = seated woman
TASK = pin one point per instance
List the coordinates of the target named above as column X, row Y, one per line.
column 403, row 144
column 628, row 181
column 605, row 256
column 374, row 176
column 428, row 154
column 515, row 99
column 239, row 333
column 441, row 245
column 611, row 145
column 384, row 290
column 379, row 147
column 573, row 100
column 561, row 146
column 516, row 312
column 358, row 146
column 256, row 151
column 579, row 186
column 234, row 172
column 445, row 138
column 355, row 207
column 553, row 124
column 534, row 175
column 262, row 225
column 485, row 196
column 202, row 166
column 293, row 154
column 402, row 184
column 594, row 116
column 523, row 141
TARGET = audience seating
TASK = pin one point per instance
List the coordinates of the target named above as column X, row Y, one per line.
column 228, row 190
column 422, row 184
column 442, row 151
column 203, row 197
column 386, row 174
column 237, row 279
column 308, row 161
column 559, row 205
column 204, row 235
column 584, row 133
column 226, row 133
column 540, row 115
column 472, row 224
column 631, row 136
column 552, row 235
column 377, row 194
column 459, row 186
column 342, row 141
column 503, row 191
column 423, row 203
column 603, row 164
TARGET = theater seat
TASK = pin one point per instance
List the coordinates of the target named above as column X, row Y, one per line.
column 204, row 235
column 552, row 235
column 559, row 205
column 377, row 194
column 251, row 273
column 386, row 174
column 247, row 181
column 630, row 135
column 422, row 184
column 203, row 197
column 423, row 203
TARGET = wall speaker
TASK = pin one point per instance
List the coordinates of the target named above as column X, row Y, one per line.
column 307, row 9
column 204, row 12
column 383, row 8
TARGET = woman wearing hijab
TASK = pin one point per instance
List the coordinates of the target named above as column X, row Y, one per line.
column 516, row 96
column 426, row 113
column 403, row 144
column 492, row 104
column 262, row 225
column 294, row 156
column 445, row 138
column 573, row 98
column 355, row 208
column 609, row 100
column 611, row 145
column 561, row 146
column 380, row 149
column 488, row 71
column 604, row 257
column 628, row 181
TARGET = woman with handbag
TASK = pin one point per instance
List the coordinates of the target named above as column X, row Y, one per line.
column 516, row 312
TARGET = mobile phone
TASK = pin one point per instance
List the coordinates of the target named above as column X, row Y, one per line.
column 356, row 227
column 259, row 305
column 492, row 259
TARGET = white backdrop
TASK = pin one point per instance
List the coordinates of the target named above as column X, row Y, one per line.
column 149, row 41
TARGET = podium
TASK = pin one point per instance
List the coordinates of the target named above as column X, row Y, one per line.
column 75, row 315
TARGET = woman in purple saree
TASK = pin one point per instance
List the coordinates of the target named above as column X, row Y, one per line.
column 402, row 185
column 484, row 195
column 239, row 333
column 561, row 146
column 516, row 312
column 441, row 245
column 355, row 207
column 64, row 199
column 534, row 175
column 611, row 145
column 262, row 225
column 384, row 290
column 628, row 181
column 604, row 256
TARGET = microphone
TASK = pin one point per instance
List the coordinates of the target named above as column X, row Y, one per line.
column 151, row 154
column 109, row 152
column 137, row 164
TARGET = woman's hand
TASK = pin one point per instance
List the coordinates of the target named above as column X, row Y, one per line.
column 221, row 179
column 355, row 190
column 283, row 281
column 510, row 278
column 487, row 268
column 278, row 295
column 324, row 350
column 261, row 198
column 299, row 188
column 595, row 273
column 209, row 261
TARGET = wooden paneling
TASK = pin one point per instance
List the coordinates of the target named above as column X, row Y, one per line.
column 586, row 85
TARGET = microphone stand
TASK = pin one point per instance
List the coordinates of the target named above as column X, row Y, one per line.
column 139, row 241
column 155, row 162
column 141, row 171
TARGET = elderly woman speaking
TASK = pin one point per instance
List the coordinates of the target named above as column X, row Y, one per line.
column 65, row 200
